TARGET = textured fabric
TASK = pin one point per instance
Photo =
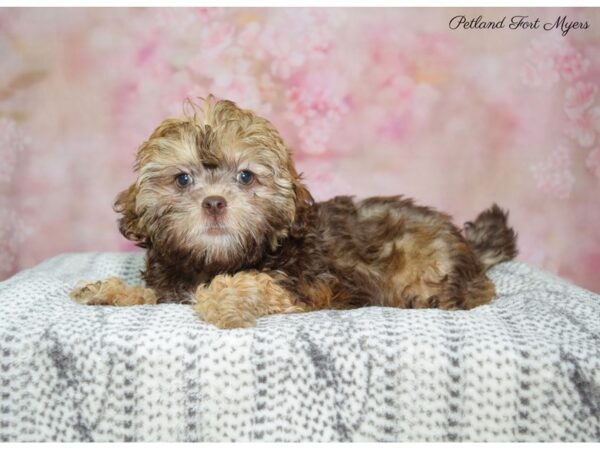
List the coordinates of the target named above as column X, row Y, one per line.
column 526, row 367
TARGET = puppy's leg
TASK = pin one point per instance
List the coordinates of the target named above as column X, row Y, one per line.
column 112, row 291
column 237, row 301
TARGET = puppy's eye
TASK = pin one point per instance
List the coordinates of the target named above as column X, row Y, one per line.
column 183, row 180
column 245, row 177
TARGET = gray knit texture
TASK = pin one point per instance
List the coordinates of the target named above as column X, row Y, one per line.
column 524, row 368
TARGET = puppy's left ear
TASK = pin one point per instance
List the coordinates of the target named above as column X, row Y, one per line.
column 304, row 204
column 129, row 222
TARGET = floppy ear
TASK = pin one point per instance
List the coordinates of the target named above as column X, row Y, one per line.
column 129, row 222
column 304, row 204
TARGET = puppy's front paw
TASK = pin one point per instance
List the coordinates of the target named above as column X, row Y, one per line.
column 86, row 293
column 237, row 301
column 221, row 307
column 112, row 291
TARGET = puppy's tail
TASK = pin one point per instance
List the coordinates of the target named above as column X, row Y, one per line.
column 491, row 238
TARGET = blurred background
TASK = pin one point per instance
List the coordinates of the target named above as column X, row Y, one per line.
column 373, row 102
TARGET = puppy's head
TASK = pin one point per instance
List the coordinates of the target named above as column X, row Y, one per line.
column 218, row 188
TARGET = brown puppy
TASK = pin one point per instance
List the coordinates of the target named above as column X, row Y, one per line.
column 229, row 226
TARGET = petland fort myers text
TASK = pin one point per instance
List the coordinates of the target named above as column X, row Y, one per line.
column 562, row 23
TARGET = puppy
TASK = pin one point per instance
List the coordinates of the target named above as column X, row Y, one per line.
column 229, row 227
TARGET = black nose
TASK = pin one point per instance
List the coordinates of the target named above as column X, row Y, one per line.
column 214, row 204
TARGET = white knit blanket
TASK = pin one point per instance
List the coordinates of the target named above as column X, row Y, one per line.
column 524, row 368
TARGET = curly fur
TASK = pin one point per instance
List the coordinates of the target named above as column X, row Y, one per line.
column 275, row 249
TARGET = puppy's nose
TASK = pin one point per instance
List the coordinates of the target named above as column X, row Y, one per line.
column 214, row 205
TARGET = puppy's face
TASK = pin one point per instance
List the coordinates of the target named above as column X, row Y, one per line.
column 215, row 191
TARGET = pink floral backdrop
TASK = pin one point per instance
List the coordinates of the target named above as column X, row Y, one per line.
column 373, row 101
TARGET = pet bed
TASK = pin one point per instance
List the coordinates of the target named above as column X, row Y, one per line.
column 524, row 368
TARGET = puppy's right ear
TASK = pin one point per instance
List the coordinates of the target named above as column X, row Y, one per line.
column 129, row 222
column 304, row 205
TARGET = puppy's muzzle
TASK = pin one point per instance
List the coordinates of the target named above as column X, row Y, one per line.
column 214, row 205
